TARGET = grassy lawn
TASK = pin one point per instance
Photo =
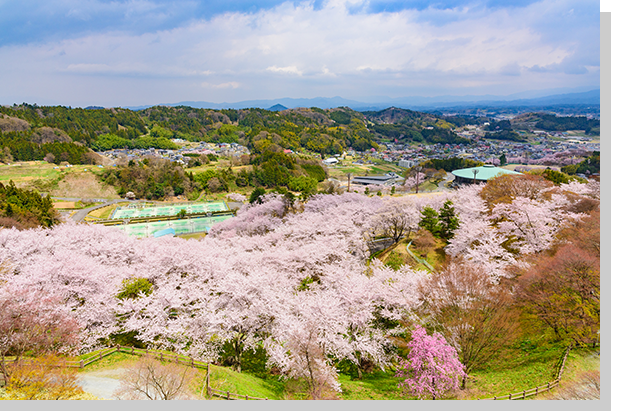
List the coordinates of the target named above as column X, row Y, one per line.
column 241, row 383
column 524, row 366
column 103, row 212
column 397, row 256
column 374, row 386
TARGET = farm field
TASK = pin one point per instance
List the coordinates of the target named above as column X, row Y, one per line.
column 341, row 170
column 78, row 181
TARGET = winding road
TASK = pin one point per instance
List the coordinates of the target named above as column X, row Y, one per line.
column 80, row 214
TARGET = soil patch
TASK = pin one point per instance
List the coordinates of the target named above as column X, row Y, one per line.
column 101, row 384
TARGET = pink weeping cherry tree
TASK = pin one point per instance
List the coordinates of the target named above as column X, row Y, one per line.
column 432, row 368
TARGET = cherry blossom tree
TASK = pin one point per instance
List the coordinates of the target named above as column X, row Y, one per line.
column 236, row 197
column 35, row 322
column 414, row 180
column 432, row 367
column 292, row 280
column 532, row 223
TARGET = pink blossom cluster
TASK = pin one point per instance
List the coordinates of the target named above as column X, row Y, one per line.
column 529, row 223
column 293, row 279
column 236, row 197
column 432, row 367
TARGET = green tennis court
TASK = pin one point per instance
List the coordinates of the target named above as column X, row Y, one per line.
column 140, row 210
column 145, row 229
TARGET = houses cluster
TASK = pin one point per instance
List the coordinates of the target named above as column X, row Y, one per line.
column 221, row 149
column 483, row 150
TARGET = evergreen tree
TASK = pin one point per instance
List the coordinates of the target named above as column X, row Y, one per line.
column 430, row 221
column 448, row 221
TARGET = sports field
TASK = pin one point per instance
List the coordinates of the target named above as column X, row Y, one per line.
column 140, row 210
column 143, row 230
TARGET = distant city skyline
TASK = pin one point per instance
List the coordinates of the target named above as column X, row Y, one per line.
column 141, row 52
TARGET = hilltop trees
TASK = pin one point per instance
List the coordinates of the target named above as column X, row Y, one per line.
column 23, row 209
column 151, row 179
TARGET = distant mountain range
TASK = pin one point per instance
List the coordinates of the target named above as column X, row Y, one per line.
column 417, row 103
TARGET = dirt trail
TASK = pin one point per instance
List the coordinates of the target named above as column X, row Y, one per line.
column 101, row 384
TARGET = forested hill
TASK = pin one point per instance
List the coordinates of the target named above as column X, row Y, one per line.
column 39, row 129
column 32, row 132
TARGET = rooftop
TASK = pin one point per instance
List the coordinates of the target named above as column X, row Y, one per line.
column 484, row 173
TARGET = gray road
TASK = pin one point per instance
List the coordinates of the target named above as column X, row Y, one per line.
column 79, row 215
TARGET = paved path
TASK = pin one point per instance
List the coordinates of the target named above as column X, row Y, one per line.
column 79, row 215
column 442, row 185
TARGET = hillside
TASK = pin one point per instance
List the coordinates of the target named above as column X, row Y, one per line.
column 290, row 293
column 38, row 129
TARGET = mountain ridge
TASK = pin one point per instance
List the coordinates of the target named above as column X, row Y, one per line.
column 590, row 97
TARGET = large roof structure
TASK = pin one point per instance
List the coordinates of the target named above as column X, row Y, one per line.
column 483, row 173
column 387, row 179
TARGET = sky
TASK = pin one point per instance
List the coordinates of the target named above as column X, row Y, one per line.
column 144, row 52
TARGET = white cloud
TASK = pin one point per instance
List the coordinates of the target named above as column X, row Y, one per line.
column 288, row 70
column 226, row 85
column 331, row 48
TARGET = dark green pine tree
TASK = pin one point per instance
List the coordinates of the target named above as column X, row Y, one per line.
column 448, row 221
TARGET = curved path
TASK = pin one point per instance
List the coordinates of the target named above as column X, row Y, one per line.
column 80, row 214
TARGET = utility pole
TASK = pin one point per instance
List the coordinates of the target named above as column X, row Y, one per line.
column 475, row 171
column 417, row 169
column 349, row 180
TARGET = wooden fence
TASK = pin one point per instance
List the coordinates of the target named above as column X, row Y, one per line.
column 196, row 363
column 521, row 395
column 159, row 355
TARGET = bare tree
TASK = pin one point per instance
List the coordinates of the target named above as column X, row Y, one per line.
column 475, row 315
column 395, row 221
column 424, row 242
column 148, row 379
column 586, row 387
